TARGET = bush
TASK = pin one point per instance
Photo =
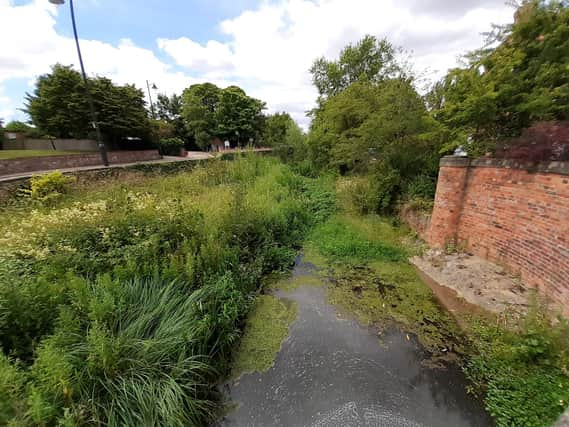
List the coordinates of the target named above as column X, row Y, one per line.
column 171, row 146
column 49, row 187
column 375, row 193
column 420, row 187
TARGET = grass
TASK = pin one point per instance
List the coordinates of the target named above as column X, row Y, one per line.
column 266, row 328
column 122, row 303
column 20, row 154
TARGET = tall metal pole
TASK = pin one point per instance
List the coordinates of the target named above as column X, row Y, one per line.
column 100, row 142
column 150, row 98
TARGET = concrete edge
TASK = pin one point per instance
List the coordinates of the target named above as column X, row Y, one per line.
column 560, row 168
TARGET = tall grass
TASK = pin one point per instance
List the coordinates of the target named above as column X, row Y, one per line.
column 121, row 306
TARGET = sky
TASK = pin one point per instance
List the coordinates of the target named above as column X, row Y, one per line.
column 264, row 46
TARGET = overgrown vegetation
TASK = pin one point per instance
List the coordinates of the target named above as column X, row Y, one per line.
column 365, row 258
column 521, row 365
column 122, row 305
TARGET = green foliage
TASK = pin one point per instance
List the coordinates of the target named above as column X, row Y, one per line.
column 228, row 114
column 169, row 110
column 59, row 107
column 48, row 187
column 383, row 130
column 123, row 305
column 522, row 365
column 17, row 126
column 171, row 146
column 12, row 391
column 369, row 60
column 276, row 128
column 506, row 88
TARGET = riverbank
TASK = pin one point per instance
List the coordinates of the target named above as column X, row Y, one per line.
column 517, row 365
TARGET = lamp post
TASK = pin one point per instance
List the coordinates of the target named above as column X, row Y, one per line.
column 94, row 123
column 150, row 97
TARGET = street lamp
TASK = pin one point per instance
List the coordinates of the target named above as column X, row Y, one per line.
column 150, row 97
column 100, row 143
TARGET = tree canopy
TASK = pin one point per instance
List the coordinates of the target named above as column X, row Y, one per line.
column 59, row 107
column 521, row 79
column 229, row 114
column 370, row 59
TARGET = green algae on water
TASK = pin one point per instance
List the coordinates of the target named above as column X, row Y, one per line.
column 266, row 328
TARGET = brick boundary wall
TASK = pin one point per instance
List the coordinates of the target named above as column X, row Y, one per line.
column 508, row 212
column 31, row 164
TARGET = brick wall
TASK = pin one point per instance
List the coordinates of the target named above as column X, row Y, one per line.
column 31, row 164
column 514, row 214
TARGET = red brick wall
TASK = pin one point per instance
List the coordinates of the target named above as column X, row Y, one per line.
column 512, row 214
column 31, row 164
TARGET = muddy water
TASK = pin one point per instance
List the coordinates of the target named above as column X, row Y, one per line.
column 333, row 372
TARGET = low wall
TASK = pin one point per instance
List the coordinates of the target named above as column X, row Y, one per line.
column 51, row 144
column 514, row 214
column 31, row 164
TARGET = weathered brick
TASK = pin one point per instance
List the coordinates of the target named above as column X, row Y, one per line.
column 517, row 217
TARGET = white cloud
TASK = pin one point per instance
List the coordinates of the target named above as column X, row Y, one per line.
column 269, row 48
column 273, row 46
column 33, row 46
column 214, row 56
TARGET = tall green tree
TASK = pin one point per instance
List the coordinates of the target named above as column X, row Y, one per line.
column 199, row 103
column 276, row 127
column 229, row 114
column 370, row 59
column 58, row 104
column 367, row 123
column 239, row 117
column 169, row 110
column 59, row 107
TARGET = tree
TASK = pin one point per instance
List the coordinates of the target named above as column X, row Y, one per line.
column 276, row 127
column 229, row 114
column 59, row 107
column 520, row 80
column 371, row 59
column 369, row 122
column 169, row 111
column 17, row 126
column 239, row 117
column 199, row 103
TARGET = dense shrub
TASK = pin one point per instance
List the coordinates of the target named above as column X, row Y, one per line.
column 123, row 306
column 48, row 187
column 171, row 146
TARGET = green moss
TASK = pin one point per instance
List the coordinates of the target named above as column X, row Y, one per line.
column 371, row 278
column 266, row 328
column 387, row 293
